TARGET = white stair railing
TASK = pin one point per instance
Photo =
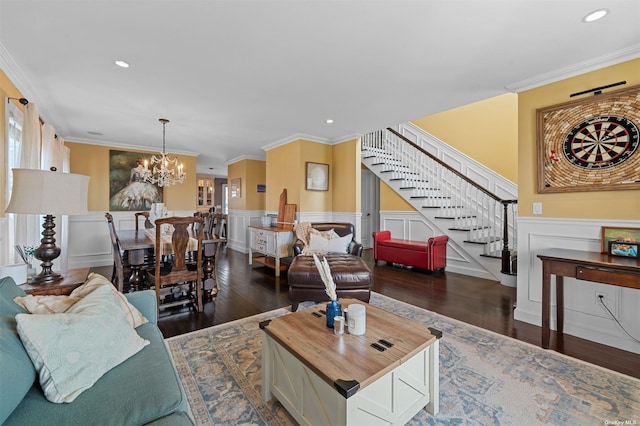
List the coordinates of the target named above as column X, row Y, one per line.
column 425, row 179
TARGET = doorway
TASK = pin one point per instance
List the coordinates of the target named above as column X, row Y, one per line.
column 369, row 205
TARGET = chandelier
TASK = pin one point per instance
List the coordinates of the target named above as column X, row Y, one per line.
column 166, row 170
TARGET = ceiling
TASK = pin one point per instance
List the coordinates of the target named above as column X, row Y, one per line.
column 235, row 77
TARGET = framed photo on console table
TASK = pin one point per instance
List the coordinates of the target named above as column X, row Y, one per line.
column 590, row 144
column 620, row 241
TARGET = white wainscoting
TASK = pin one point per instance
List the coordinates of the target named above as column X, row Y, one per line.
column 583, row 317
column 89, row 242
column 413, row 226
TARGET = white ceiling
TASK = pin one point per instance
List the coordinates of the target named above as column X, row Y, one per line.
column 237, row 76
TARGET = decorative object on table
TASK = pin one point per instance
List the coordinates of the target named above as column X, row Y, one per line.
column 265, row 221
column 166, row 170
column 334, row 309
column 26, row 254
column 49, row 193
column 590, row 144
column 236, row 191
column 128, row 189
column 619, row 236
column 357, row 323
column 317, row 176
column 623, row 248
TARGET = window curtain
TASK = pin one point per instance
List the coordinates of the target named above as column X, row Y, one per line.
column 56, row 154
column 28, row 226
column 14, row 118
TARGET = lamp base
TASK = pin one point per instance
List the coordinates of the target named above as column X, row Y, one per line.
column 43, row 278
column 47, row 252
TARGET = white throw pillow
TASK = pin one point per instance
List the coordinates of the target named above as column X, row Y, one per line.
column 340, row 244
column 72, row 350
column 59, row 304
column 317, row 243
column 335, row 245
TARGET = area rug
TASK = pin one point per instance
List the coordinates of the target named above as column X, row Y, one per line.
column 485, row 378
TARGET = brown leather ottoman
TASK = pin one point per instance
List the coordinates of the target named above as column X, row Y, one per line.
column 351, row 275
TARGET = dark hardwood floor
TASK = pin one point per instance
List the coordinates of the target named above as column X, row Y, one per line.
column 248, row 290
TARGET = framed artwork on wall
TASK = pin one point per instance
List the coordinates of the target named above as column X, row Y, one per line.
column 317, row 177
column 590, row 144
column 620, row 241
column 235, row 188
column 127, row 190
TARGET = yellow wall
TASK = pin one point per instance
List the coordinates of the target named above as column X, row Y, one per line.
column 486, row 131
column 346, row 176
column 283, row 171
column 93, row 161
column 391, row 201
column 7, row 89
column 315, row 201
column 286, row 168
column 621, row 205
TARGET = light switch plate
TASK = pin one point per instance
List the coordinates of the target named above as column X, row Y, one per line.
column 537, row 208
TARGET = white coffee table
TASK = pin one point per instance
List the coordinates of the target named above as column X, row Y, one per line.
column 324, row 379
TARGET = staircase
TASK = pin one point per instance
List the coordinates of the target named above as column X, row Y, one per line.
column 476, row 220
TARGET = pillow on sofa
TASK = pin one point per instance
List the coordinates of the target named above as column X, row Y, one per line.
column 319, row 244
column 72, row 350
column 59, row 304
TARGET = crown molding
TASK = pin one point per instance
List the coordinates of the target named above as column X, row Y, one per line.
column 244, row 157
column 613, row 58
column 127, row 146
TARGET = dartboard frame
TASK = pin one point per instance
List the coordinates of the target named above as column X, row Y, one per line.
column 609, row 125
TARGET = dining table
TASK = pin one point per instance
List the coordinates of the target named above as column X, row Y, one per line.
column 135, row 242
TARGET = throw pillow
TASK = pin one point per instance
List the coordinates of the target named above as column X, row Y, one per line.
column 319, row 244
column 340, row 244
column 72, row 350
column 59, row 304
column 94, row 281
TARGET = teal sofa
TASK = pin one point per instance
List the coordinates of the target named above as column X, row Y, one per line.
column 144, row 389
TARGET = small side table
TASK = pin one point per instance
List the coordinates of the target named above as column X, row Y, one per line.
column 70, row 280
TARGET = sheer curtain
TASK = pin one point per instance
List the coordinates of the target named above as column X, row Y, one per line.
column 28, row 226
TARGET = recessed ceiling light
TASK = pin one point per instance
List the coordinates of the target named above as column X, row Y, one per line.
column 329, row 121
column 595, row 15
column 121, row 63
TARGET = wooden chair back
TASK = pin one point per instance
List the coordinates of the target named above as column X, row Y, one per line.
column 117, row 277
column 180, row 271
column 147, row 222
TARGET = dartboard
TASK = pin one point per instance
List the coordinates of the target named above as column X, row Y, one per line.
column 601, row 142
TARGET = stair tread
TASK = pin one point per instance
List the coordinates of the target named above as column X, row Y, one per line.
column 470, row 228
column 484, row 240
column 454, row 217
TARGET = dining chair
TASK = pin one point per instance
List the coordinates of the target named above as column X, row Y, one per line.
column 117, row 277
column 180, row 272
column 147, row 222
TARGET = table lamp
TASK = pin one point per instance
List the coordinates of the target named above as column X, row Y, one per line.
column 48, row 193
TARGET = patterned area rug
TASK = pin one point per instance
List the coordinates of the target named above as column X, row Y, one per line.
column 485, row 378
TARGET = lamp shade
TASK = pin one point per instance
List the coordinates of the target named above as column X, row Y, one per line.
column 48, row 193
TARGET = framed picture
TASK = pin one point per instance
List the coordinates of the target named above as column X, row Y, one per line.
column 235, row 188
column 128, row 191
column 619, row 236
column 317, row 177
column 590, row 144
column 623, row 249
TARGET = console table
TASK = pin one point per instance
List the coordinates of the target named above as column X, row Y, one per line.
column 582, row 265
column 273, row 242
